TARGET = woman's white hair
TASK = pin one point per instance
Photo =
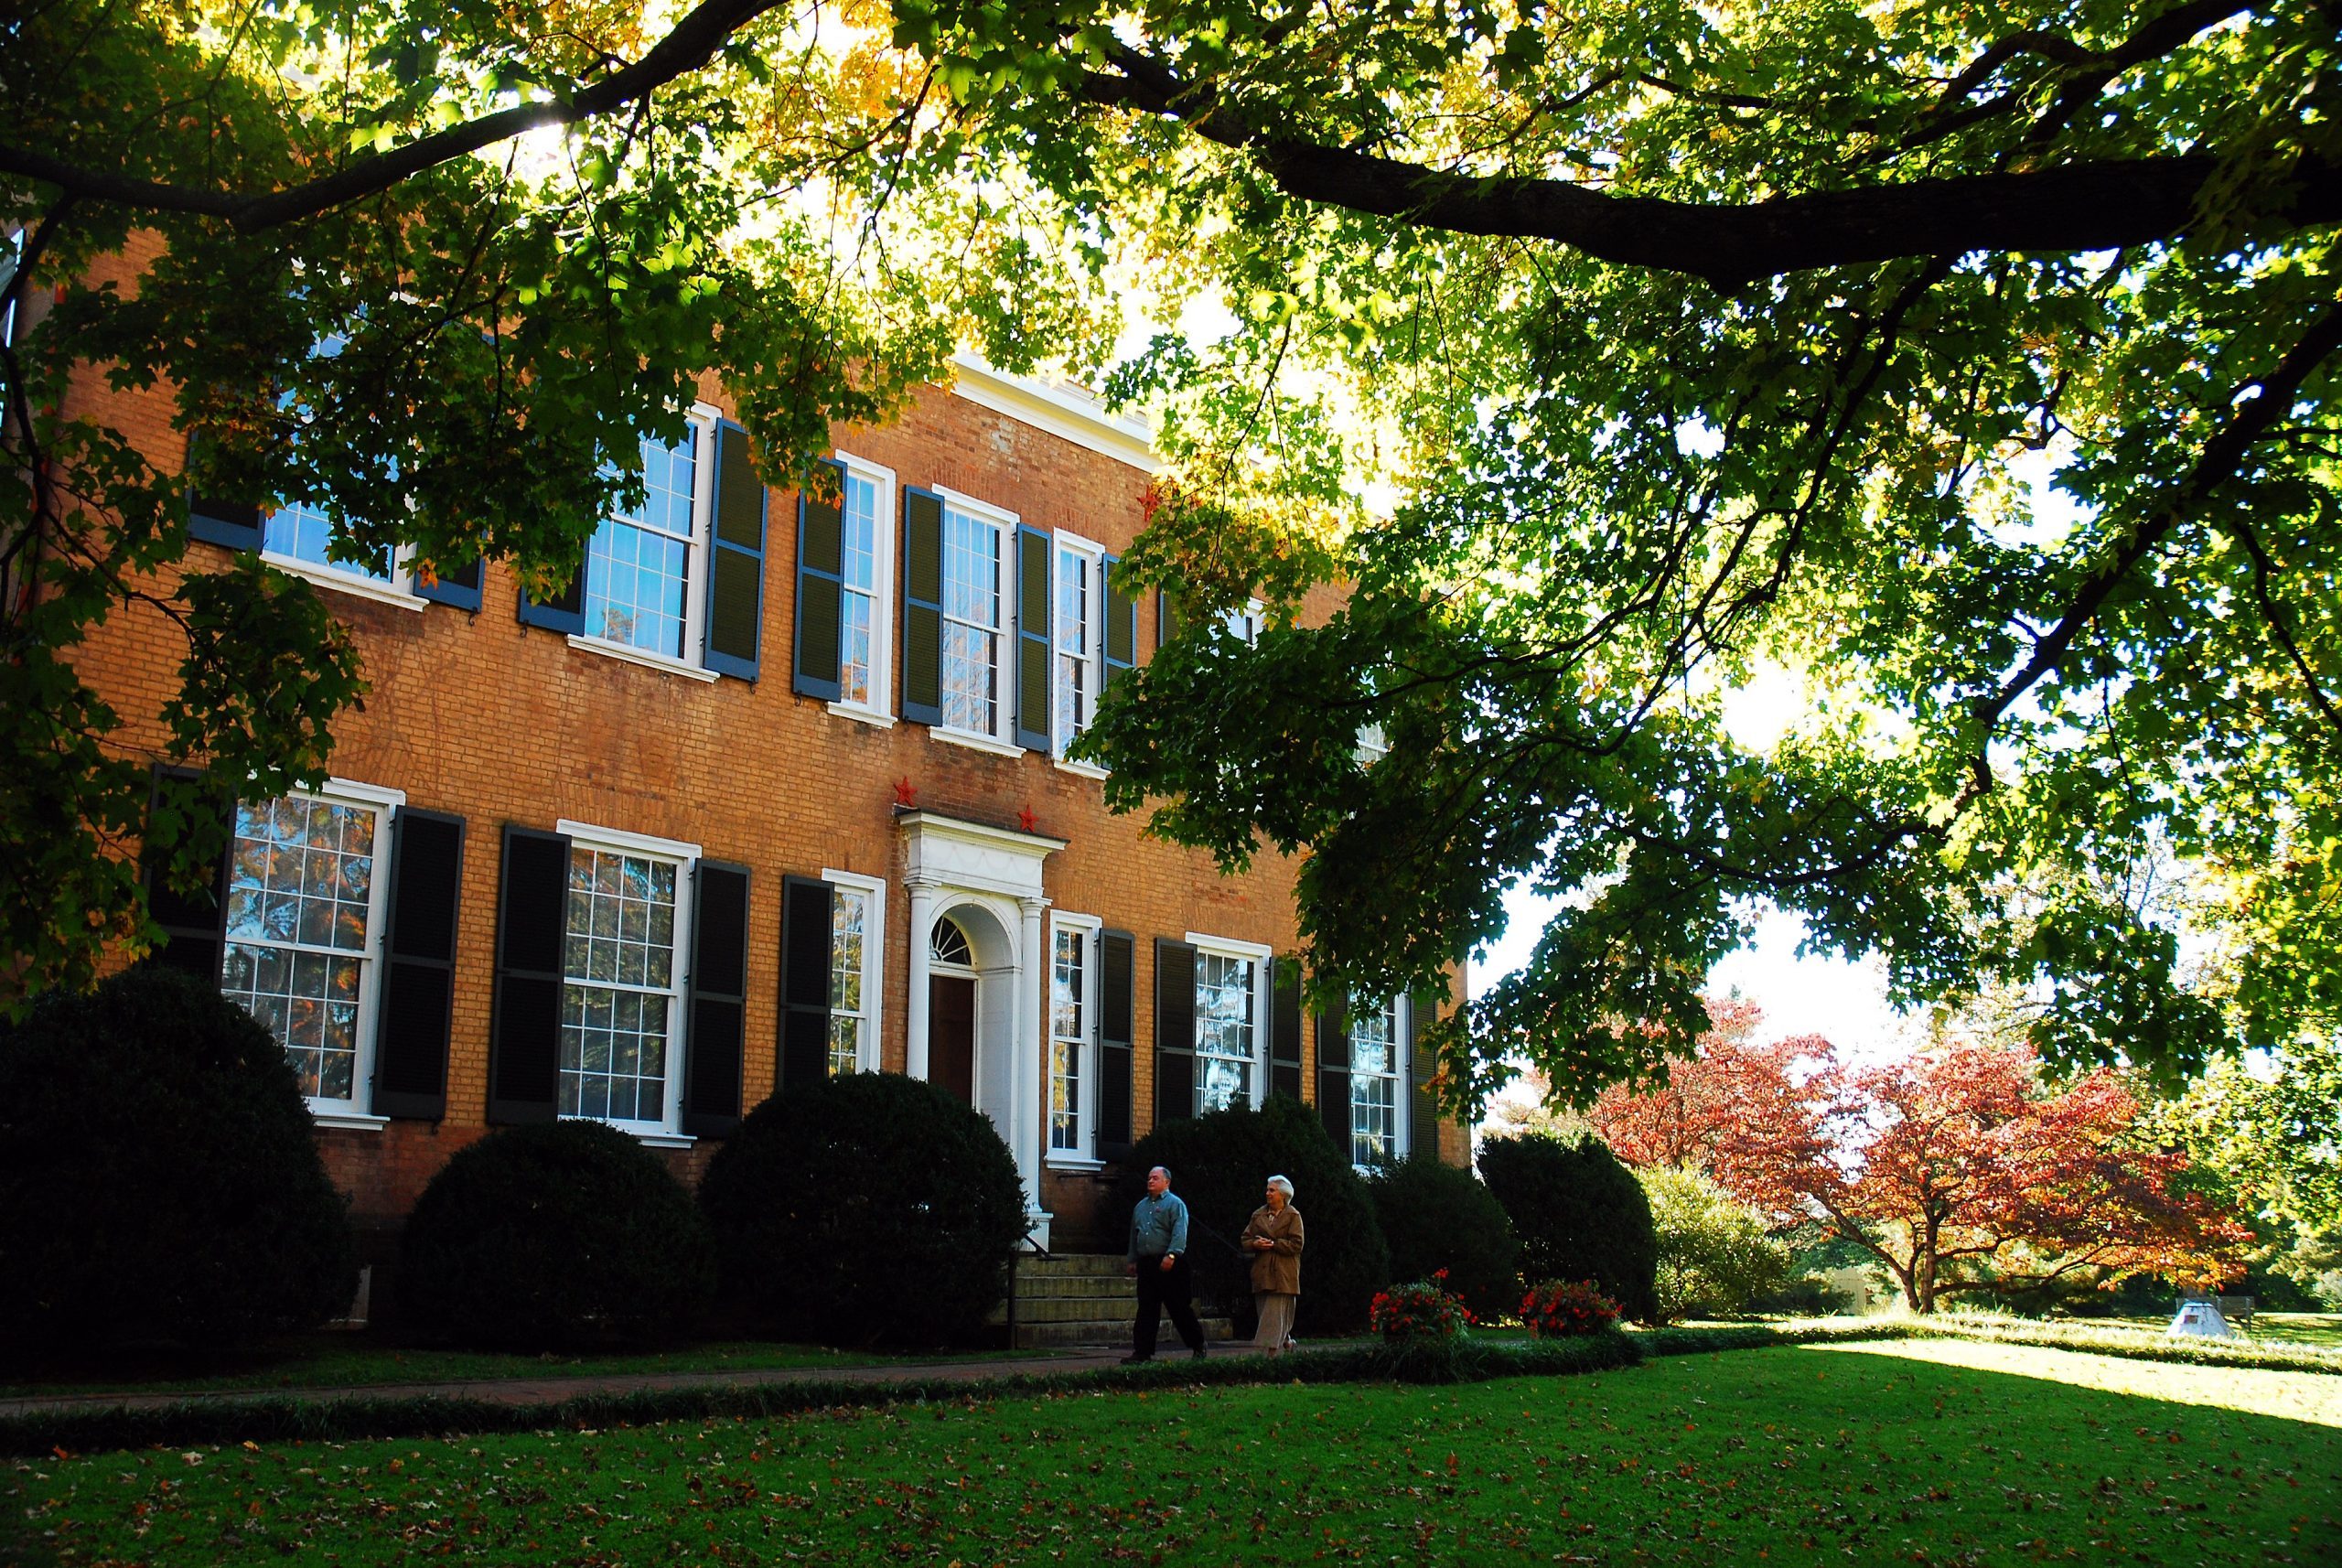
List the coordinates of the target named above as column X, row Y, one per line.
column 1282, row 1185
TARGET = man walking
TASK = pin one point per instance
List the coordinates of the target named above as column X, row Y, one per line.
column 1158, row 1256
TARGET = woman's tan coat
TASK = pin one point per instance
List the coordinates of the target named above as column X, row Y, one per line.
column 1277, row 1271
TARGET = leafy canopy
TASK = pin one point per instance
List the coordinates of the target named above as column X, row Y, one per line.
column 1974, row 375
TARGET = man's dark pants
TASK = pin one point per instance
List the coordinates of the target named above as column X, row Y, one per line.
column 1165, row 1290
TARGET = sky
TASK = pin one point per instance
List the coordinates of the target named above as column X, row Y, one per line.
column 1845, row 1003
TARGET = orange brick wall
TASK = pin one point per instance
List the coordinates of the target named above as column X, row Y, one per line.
column 477, row 715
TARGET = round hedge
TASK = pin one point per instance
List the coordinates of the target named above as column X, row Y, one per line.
column 1220, row 1163
column 159, row 1175
column 561, row 1236
column 1439, row 1217
column 1580, row 1215
column 867, row 1209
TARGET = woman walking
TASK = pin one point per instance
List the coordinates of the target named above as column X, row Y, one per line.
column 1273, row 1238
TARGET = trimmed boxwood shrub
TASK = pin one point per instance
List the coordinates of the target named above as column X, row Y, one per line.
column 159, row 1175
column 1220, row 1163
column 867, row 1209
column 1437, row 1217
column 561, row 1236
column 1580, row 1215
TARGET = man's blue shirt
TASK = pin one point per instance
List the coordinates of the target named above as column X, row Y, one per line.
column 1159, row 1225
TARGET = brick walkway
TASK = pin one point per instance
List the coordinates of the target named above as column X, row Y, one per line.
column 552, row 1391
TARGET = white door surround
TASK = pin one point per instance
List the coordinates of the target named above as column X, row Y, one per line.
column 989, row 881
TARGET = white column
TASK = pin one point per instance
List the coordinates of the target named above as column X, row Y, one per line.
column 922, row 931
column 1033, row 973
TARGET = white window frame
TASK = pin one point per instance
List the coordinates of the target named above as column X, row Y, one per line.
column 1093, row 653
column 692, row 661
column 874, row 963
column 1083, row 1154
column 397, row 589
column 1001, row 738
column 666, row 1133
column 879, row 709
column 1260, row 955
column 1401, row 1031
column 350, row 1112
column 1245, row 624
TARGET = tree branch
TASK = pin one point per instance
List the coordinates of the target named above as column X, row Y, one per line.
column 2250, row 419
column 689, row 47
column 2087, row 206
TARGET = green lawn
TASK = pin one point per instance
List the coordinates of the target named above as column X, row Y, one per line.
column 2323, row 1329
column 353, row 1360
column 1930, row 1453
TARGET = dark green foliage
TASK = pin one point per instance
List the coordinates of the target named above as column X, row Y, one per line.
column 1219, row 1164
column 159, row 1181
column 1580, row 1215
column 871, row 1208
column 1437, row 1217
column 568, row 1235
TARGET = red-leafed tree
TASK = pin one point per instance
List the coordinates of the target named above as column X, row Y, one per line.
column 1958, row 1168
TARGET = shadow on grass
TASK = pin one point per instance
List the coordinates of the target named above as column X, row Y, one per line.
column 1799, row 1454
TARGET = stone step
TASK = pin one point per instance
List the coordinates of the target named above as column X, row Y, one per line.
column 1072, row 1265
column 1075, row 1287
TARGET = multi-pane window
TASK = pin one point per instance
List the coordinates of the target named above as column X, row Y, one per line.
column 1225, row 1030
column 1069, row 1035
column 1374, row 1082
column 619, row 1000
column 971, row 615
column 1243, row 625
column 638, row 568
column 859, row 544
column 849, row 976
column 301, row 905
column 1074, row 640
column 300, row 532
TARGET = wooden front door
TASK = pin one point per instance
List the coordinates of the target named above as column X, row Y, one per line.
column 951, row 1035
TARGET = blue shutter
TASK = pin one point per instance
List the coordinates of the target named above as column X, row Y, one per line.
column 735, row 558
column 1121, row 625
column 565, row 612
column 820, row 590
column 459, row 588
column 1033, row 551
column 218, row 522
column 922, row 607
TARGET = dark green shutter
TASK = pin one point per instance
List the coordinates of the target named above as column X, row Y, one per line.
column 1033, row 551
column 216, row 520
column 735, row 558
column 805, row 915
column 922, row 607
column 1285, row 1028
column 1117, row 1009
column 718, row 1004
column 459, row 588
column 820, row 590
column 1166, row 617
column 1175, row 1031
column 419, row 974
column 524, row 1031
column 1422, row 1107
column 563, row 612
column 1334, row 1074
column 193, row 924
column 1121, row 624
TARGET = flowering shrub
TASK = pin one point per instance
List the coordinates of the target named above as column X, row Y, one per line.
column 1419, row 1310
column 1557, row 1308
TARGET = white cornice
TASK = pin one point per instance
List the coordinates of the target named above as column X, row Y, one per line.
column 1062, row 411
